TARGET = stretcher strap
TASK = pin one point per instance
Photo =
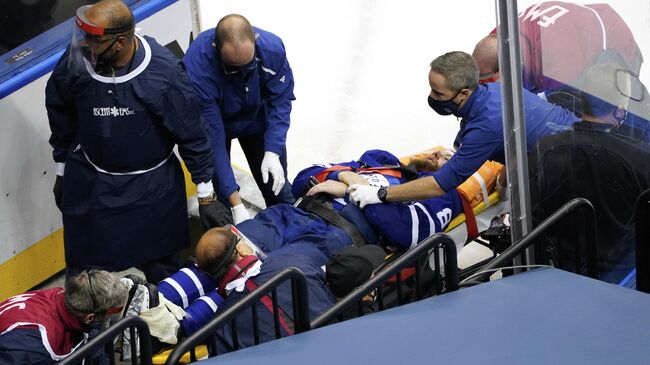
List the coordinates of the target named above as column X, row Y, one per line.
column 385, row 170
column 285, row 321
column 470, row 218
column 313, row 205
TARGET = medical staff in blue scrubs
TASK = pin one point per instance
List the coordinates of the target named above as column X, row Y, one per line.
column 118, row 103
column 244, row 80
column 455, row 91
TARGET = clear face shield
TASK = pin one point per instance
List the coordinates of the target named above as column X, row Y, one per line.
column 92, row 43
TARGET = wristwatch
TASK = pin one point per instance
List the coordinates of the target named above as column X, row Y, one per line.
column 208, row 199
column 381, row 194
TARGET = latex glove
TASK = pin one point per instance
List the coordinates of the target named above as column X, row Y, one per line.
column 271, row 163
column 58, row 191
column 214, row 214
column 363, row 195
column 240, row 214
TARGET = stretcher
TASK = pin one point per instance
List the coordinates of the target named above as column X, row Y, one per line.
column 481, row 200
column 483, row 214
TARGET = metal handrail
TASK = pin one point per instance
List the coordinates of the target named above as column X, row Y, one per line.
column 567, row 209
column 300, row 310
column 642, row 218
column 431, row 243
column 108, row 336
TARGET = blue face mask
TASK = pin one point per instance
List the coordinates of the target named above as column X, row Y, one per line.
column 444, row 107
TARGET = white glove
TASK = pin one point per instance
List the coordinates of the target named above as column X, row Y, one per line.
column 363, row 195
column 271, row 163
column 240, row 213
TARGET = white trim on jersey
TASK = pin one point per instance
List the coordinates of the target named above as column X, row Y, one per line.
column 600, row 20
column 432, row 225
column 45, row 340
column 124, row 78
column 179, row 289
column 195, row 279
column 415, row 226
column 267, row 70
column 213, row 305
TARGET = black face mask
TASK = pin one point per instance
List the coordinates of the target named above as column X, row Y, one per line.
column 105, row 59
column 444, row 107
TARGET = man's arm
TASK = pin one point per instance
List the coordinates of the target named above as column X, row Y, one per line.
column 278, row 90
column 200, row 72
column 62, row 116
column 180, row 110
column 61, row 112
column 407, row 224
column 419, row 189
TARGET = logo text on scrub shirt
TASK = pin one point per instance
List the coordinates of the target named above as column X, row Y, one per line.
column 112, row 112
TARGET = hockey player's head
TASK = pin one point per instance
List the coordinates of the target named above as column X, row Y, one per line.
column 433, row 161
column 218, row 250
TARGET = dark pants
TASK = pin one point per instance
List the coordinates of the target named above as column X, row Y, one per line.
column 253, row 147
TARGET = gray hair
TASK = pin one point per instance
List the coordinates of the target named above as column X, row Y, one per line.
column 94, row 291
column 458, row 68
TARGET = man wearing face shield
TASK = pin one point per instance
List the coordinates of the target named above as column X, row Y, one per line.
column 455, row 90
column 244, row 80
column 45, row 326
column 118, row 103
column 592, row 161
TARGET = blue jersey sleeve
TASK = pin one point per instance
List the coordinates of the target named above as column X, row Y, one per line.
column 407, row 224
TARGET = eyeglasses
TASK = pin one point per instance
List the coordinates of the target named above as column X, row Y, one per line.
column 232, row 70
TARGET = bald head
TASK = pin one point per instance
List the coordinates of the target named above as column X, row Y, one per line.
column 212, row 247
column 235, row 40
column 486, row 56
column 111, row 14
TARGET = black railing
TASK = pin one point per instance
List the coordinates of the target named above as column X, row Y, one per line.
column 567, row 209
column 300, row 301
column 419, row 255
column 104, row 341
column 642, row 213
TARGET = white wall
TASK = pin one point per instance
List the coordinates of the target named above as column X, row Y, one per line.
column 361, row 71
column 361, row 67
